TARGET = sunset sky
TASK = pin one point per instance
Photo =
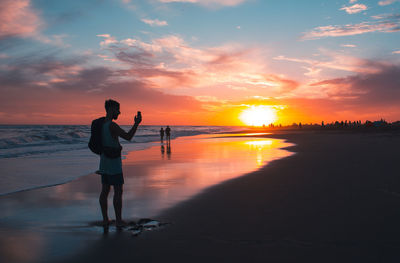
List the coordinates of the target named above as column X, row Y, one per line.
column 199, row 62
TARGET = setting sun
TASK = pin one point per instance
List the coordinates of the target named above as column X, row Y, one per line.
column 258, row 115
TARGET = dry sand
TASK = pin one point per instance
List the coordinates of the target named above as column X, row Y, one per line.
column 336, row 200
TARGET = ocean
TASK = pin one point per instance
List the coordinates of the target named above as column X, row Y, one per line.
column 33, row 156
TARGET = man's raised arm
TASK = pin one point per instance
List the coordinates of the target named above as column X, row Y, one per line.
column 118, row 131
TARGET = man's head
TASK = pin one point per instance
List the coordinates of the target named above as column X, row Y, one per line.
column 112, row 108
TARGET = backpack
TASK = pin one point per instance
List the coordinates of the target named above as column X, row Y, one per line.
column 95, row 143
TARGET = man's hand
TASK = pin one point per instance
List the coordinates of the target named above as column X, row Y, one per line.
column 138, row 119
column 116, row 131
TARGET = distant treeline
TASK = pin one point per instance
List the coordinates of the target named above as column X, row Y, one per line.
column 341, row 125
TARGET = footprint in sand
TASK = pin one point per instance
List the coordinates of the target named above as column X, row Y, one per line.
column 136, row 228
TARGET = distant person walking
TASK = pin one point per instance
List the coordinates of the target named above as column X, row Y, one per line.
column 110, row 160
column 162, row 134
column 168, row 134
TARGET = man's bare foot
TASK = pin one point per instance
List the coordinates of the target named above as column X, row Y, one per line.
column 105, row 222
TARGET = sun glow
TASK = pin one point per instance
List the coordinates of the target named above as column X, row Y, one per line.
column 258, row 115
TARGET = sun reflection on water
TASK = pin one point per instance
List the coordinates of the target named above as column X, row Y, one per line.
column 261, row 143
column 260, row 146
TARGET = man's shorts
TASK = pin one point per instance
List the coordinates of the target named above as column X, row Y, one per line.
column 112, row 179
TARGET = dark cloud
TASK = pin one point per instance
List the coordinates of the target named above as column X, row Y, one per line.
column 225, row 59
column 375, row 89
column 54, row 88
column 137, row 58
column 34, row 68
column 144, row 64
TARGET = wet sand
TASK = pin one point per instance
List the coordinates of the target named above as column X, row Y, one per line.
column 336, row 200
column 55, row 223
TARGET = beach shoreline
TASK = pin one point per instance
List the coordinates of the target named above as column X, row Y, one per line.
column 335, row 200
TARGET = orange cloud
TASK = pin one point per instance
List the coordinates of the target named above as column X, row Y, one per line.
column 170, row 63
column 337, row 61
column 64, row 91
column 386, row 2
column 348, row 45
column 154, row 22
column 390, row 24
column 354, row 9
column 17, row 18
column 164, row 77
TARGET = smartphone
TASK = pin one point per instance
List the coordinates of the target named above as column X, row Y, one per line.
column 139, row 114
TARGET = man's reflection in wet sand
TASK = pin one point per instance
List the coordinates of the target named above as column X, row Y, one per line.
column 105, row 230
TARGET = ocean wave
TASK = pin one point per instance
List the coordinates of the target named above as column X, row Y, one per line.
column 26, row 140
column 22, row 136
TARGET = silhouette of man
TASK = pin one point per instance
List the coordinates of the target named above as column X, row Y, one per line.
column 162, row 134
column 168, row 134
column 110, row 165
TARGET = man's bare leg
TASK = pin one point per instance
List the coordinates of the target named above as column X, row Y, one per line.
column 117, row 201
column 103, row 202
